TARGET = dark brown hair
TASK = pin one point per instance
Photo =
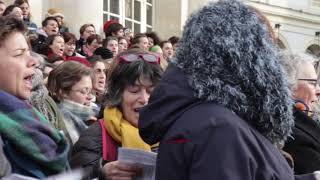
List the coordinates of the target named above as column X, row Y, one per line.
column 84, row 27
column 62, row 78
column 67, row 36
column 122, row 75
column 10, row 25
column 47, row 19
column 136, row 38
column 93, row 37
column 113, row 28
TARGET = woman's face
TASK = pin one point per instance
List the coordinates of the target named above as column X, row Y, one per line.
column 25, row 10
column 17, row 13
column 94, row 45
column 99, row 77
column 81, row 91
column 88, row 32
column 51, row 28
column 134, row 98
column 57, row 46
column 69, row 48
column 167, row 51
column 113, row 47
column 123, row 45
column 17, row 66
column 151, row 43
column 307, row 87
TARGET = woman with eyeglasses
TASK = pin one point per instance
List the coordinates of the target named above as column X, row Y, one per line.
column 131, row 80
column 70, row 85
column 304, row 144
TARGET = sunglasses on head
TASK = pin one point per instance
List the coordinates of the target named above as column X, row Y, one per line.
column 150, row 58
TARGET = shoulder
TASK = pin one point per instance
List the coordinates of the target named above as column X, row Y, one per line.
column 209, row 116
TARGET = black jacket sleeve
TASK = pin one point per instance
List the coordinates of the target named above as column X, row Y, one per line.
column 87, row 152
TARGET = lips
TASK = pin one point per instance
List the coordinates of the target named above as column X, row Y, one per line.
column 28, row 80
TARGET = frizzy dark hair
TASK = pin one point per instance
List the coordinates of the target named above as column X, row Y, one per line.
column 154, row 36
column 62, row 78
column 122, row 75
column 10, row 25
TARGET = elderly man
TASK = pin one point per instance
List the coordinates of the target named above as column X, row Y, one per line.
column 304, row 146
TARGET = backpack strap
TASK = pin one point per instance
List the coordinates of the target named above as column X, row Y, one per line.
column 109, row 146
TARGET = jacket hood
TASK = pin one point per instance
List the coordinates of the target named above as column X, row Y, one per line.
column 227, row 50
column 171, row 97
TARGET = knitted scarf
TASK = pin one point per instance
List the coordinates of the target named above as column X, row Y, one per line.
column 122, row 131
column 31, row 144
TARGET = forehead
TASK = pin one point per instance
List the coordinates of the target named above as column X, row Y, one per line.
column 112, row 42
column 14, row 41
column 143, row 39
column 167, row 45
column 307, row 70
column 99, row 65
column 58, row 38
column 89, row 28
column 51, row 22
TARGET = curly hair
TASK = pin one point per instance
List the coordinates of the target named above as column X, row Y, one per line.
column 227, row 51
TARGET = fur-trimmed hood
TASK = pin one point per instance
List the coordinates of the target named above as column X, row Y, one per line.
column 229, row 58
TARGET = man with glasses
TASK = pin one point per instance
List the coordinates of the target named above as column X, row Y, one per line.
column 304, row 145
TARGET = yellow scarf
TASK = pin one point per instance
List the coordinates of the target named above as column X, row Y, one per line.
column 122, row 131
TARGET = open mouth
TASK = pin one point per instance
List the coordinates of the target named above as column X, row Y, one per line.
column 137, row 110
column 28, row 80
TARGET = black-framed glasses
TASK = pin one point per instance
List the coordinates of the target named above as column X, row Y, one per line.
column 313, row 82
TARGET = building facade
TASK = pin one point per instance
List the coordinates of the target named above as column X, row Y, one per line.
column 296, row 23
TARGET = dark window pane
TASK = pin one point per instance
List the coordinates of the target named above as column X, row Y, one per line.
column 149, row 15
column 137, row 28
column 114, row 6
column 149, row 29
column 128, row 8
column 105, row 5
column 105, row 18
column 149, row 1
column 114, row 18
column 137, row 10
column 128, row 24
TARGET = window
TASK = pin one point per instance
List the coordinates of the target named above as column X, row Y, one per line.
column 316, row 3
column 134, row 14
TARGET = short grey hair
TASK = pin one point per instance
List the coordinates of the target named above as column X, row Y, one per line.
column 293, row 64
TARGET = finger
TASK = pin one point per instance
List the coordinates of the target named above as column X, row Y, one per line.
column 128, row 167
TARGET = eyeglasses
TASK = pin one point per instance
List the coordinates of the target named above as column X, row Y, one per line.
column 150, row 58
column 313, row 82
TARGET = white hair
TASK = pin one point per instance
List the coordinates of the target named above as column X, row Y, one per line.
column 293, row 64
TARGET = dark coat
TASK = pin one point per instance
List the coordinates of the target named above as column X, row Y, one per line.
column 87, row 152
column 304, row 147
column 204, row 140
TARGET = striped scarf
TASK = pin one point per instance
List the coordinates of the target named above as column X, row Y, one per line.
column 32, row 145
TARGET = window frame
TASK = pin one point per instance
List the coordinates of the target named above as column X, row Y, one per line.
column 122, row 14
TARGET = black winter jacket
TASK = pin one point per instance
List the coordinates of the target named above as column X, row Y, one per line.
column 204, row 140
column 304, row 146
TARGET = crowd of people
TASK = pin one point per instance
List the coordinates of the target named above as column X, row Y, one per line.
column 221, row 102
